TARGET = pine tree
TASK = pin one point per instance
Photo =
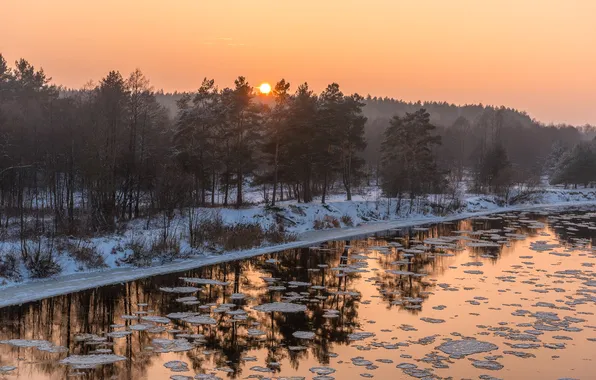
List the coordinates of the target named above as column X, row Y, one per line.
column 577, row 166
column 351, row 140
column 408, row 160
column 243, row 122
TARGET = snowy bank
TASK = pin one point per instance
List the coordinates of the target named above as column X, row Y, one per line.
column 367, row 216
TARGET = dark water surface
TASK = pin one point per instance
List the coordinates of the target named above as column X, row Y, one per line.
column 515, row 299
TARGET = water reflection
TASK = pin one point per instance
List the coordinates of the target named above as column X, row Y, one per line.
column 375, row 284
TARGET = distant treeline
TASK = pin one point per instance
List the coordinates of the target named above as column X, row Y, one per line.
column 117, row 150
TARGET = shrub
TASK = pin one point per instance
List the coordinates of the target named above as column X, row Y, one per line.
column 318, row 224
column 275, row 235
column 166, row 249
column 138, row 254
column 328, row 221
column 347, row 220
column 38, row 257
column 9, row 266
column 86, row 254
column 209, row 231
column 242, row 236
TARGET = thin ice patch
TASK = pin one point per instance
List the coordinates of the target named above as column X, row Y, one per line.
column 180, row 290
column 488, row 364
column 156, row 319
column 90, row 361
column 465, row 347
column 200, row 320
column 204, row 281
column 304, row 335
column 282, row 307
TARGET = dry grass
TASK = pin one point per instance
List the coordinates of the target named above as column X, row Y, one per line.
column 327, row 222
column 209, row 231
column 39, row 258
column 86, row 254
column 347, row 220
column 9, row 266
column 166, row 249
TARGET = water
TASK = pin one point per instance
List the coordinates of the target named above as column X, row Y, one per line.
column 528, row 300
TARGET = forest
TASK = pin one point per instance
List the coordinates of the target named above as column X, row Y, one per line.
column 82, row 161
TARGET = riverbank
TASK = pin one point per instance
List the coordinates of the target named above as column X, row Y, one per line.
column 31, row 290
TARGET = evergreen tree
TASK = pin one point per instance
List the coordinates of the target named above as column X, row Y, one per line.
column 577, row 166
column 408, row 159
column 351, row 141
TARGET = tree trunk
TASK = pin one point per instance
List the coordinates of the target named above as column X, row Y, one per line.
column 239, row 188
column 324, row 188
column 275, row 175
column 226, row 187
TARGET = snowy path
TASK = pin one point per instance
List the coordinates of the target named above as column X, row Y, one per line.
column 40, row 289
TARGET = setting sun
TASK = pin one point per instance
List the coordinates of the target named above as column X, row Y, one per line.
column 265, row 88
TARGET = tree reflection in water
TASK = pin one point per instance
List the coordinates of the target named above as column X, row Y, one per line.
column 61, row 319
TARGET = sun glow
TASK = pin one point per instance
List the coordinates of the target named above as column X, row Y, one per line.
column 265, row 88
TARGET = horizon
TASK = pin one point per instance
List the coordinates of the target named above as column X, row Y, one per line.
column 505, row 54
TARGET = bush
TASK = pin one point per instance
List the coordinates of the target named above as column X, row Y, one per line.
column 9, row 266
column 209, row 231
column 38, row 256
column 166, row 249
column 275, row 235
column 347, row 220
column 139, row 255
column 327, row 222
column 86, row 254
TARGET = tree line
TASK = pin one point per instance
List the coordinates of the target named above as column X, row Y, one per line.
column 110, row 152
column 88, row 158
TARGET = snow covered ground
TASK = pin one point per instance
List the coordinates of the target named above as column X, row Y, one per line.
column 368, row 214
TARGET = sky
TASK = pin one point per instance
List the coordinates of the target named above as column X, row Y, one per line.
column 533, row 55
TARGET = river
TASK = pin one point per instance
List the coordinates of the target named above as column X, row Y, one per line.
column 508, row 296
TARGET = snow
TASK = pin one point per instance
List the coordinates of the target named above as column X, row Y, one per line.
column 369, row 215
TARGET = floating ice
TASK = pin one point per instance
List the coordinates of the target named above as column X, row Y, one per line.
column 304, row 334
column 322, row 370
column 432, row 320
column 118, row 334
column 90, row 361
column 466, row 347
column 282, row 307
column 487, row 364
column 204, row 281
column 156, row 319
column 176, row 366
column 181, row 289
column 7, row 369
column 200, row 320
column 360, row 336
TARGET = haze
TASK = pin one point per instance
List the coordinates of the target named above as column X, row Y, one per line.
column 534, row 55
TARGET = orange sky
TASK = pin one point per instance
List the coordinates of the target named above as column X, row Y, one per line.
column 535, row 55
